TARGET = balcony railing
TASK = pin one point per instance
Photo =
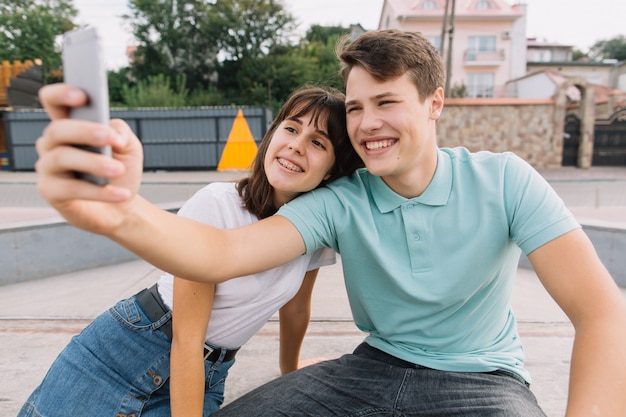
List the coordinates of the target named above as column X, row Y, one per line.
column 473, row 57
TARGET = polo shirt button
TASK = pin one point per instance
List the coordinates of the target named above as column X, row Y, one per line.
column 416, row 237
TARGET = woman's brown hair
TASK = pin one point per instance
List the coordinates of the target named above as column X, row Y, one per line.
column 326, row 105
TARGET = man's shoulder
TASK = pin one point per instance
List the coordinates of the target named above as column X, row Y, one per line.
column 481, row 160
column 461, row 154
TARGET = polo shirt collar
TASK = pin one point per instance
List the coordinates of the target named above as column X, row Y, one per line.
column 436, row 194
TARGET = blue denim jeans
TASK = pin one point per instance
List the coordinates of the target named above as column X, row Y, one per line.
column 372, row 383
column 119, row 365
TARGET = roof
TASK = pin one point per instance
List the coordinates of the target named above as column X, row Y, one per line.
column 464, row 8
column 601, row 92
column 536, row 43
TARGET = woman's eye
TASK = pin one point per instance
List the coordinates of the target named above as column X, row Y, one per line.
column 291, row 129
column 318, row 144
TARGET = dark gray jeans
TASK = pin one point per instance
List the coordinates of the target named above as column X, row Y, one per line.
column 372, row 383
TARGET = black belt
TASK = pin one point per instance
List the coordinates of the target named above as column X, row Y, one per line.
column 150, row 301
column 371, row 352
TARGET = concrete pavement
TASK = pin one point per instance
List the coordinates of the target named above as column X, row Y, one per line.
column 37, row 318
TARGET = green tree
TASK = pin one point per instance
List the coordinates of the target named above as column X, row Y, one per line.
column 249, row 32
column 174, row 39
column 323, row 34
column 282, row 70
column 117, row 81
column 250, row 28
column 231, row 51
column 320, row 43
column 578, row 55
column 156, row 91
column 614, row 48
column 29, row 28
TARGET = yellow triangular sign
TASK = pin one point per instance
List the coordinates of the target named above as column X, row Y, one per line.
column 240, row 147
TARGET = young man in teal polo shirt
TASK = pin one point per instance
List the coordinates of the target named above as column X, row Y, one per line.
column 430, row 240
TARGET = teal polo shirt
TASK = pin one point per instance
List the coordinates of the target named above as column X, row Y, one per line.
column 430, row 278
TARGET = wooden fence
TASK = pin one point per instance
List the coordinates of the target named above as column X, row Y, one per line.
column 10, row 70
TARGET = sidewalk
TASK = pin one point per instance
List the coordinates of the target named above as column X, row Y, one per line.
column 38, row 318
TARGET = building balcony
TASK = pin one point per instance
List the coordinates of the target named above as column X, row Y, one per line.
column 483, row 58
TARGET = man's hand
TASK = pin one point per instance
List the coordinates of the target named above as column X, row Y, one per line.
column 99, row 209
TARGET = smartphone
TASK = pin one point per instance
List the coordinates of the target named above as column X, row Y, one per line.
column 84, row 67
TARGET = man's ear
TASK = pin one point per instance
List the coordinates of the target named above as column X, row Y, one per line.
column 436, row 103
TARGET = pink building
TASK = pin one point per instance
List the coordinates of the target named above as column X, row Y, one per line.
column 484, row 43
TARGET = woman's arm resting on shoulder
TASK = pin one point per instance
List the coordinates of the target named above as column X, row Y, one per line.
column 294, row 320
column 575, row 277
column 193, row 303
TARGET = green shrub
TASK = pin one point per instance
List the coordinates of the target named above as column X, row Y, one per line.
column 156, row 92
column 205, row 97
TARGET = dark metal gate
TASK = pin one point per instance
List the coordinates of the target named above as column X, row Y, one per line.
column 571, row 140
column 609, row 144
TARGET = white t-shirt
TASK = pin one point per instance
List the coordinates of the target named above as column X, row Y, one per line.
column 242, row 305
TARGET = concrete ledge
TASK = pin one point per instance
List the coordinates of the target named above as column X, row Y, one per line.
column 609, row 239
column 610, row 242
column 49, row 247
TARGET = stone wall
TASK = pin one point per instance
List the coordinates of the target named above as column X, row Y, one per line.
column 528, row 128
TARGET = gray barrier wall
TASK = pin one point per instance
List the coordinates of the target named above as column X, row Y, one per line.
column 35, row 251
column 610, row 243
column 48, row 248
column 173, row 139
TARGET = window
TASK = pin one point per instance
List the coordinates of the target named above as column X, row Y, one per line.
column 480, row 84
column 545, row 56
column 429, row 5
column 482, row 43
column 483, row 4
column 435, row 40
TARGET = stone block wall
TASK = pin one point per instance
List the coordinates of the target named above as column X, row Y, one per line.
column 528, row 128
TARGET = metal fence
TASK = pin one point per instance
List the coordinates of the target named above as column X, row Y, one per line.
column 173, row 139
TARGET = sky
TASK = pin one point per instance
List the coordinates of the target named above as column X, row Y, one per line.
column 579, row 23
